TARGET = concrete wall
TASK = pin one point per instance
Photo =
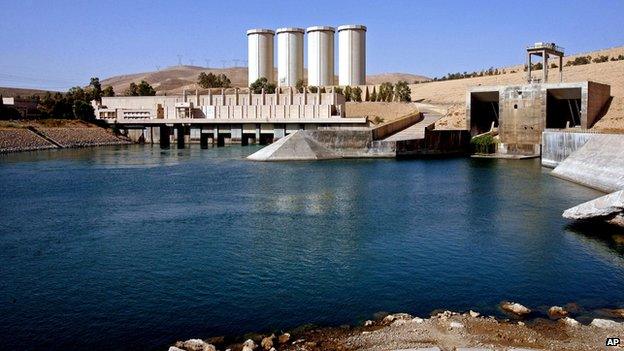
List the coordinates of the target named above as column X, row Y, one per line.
column 435, row 143
column 524, row 110
column 557, row 145
column 598, row 96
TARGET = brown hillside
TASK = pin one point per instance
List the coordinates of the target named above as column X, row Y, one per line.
column 175, row 79
column 12, row 92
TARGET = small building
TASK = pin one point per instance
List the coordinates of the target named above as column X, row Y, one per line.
column 26, row 107
column 522, row 112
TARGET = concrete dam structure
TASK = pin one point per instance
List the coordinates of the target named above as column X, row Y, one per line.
column 522, row 112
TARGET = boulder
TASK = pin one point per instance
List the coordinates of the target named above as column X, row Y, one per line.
column 514, row 308
column 196, row 345
column 474, row 314
column 368, row 323
column 284, row 338
column 570, row 321
column 605, row 323
column 249, row 345
column 173, row 348
column 556, row 312
column 267, row 343
column 417, row 320
column 605, row 207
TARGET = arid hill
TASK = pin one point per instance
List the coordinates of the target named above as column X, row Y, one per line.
column 12, row 92
column 174, row 79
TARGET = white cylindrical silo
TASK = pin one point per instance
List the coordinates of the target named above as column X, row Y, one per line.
column 320, row 55
column 260, row 54
column 352, row 55
column 289, row 56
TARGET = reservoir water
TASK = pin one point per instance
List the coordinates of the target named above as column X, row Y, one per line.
column 137, row 247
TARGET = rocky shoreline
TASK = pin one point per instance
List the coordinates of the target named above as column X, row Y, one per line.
column 22, row 136
column 442, row 331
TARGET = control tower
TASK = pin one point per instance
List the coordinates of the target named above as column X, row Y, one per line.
column 544, row 50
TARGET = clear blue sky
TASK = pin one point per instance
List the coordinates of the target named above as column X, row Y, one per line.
column 58, row 44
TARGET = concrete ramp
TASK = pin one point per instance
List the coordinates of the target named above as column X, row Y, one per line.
column 294, row 147
column 415, row 131
column 598, row 164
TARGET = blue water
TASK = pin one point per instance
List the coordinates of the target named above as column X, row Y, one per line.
column 134, row 247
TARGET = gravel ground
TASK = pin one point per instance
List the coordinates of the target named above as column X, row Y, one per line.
column 79, row 137
column 445, row 331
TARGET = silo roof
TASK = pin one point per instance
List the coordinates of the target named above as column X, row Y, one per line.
column 260, row 31
column 352, row 27
column 320, row 29
column 289, row 29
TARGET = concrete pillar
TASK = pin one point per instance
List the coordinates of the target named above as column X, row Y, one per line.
column 181, row 136
column 528, row 67
column 561, row 69
column 545, row 68
column 164, row 137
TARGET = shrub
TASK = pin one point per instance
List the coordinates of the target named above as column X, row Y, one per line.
column 484, row 144
column 601, row 59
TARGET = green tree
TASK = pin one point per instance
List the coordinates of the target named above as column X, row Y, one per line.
column 338, row 90
column 133, row 90
column 403, row 91
column 76, row 93
column 347, row 93
column 262, row 83
column 84, row 111
column 300, row 85
column 96, row 89
column 145, row 89
column 212, row 80
column 313, row 89
column 356, row 94
column 386, row 92
column 108, row 91
column 141, row 89
column 373, row 95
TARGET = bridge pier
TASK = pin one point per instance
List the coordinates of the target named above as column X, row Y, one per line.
column 181, row 135
column 165, row 141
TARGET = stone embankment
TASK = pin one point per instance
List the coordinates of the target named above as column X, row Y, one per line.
column 21, row 139
column 525, row 329
column 29, row 136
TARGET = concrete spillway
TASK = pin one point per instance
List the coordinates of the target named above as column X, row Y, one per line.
column 293, row 147
column 598, row 164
